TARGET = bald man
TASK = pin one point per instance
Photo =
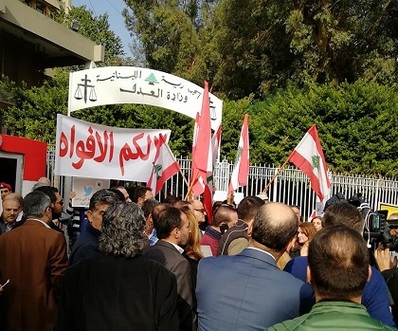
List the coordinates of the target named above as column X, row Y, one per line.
column 248, row 291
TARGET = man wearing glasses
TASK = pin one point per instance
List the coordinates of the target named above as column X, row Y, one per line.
column 57, row 205
column 199, row 211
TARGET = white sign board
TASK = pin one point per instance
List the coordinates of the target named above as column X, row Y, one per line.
column 90, row 150
column 114, row 85
column 84, row 189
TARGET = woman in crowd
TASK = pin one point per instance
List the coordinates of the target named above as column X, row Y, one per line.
column 305, row 234
column 192, row 250
column 317, row 221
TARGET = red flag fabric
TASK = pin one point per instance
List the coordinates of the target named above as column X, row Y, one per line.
column 215, row 144
column 165, row 166
column 202, row 151
column 241, row 167
column 308, row 157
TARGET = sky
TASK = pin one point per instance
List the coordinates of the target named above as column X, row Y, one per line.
column 114, row 10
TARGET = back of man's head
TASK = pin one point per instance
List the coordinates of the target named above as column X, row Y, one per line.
column 104, row 196
column 339, row 263
column 35, row 204
column 346, row 214
column 248, row 208
column 148, row 206
column 224, row 214
column 274, row 226
column 49, row 190
column 167, row 220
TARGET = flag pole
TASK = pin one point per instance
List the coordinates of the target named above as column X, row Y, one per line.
column 184, row 178
column 191, row 185
column 273, row 178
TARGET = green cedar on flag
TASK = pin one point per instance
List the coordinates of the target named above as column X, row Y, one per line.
column 308, row 157
column 165, row 165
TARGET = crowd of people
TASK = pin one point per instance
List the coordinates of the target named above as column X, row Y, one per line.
column 130, row 262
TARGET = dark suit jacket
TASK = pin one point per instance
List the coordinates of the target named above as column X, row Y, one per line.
column 34, row 258
column 247, row 292
column 115, row 293
column 166, row 254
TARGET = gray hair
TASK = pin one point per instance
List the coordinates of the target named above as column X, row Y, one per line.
column 35, row 204
column 123, row 230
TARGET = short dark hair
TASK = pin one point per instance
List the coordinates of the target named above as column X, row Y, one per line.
column 148, row 206
column 339, row 261
column 222, row 214
column 172, row 199
column 119, row 194
column 103, row 196
column 139, row 191
column 248, row 207
column 50, row 191
column 167, row 220
column 275, row 230
column 35, row 204
column 122, row 230
column 344, row 213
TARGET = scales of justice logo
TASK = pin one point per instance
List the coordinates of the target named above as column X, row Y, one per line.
column 88, row 90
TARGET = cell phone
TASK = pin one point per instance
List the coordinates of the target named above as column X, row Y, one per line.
column 7, row 281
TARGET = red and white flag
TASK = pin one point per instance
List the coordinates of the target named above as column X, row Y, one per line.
column 202, row 154
column 308, row 157
column 215, row 144
column 164, row 167
column 241, row 167
column 201, row 150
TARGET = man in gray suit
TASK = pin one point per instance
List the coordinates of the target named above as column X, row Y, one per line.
column 173, row 229
column 248, row 291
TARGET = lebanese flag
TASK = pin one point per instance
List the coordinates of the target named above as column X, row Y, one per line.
column 202, row 158
column 164, row 167
column 308, row 157
column 215, row 144
column 241, row 167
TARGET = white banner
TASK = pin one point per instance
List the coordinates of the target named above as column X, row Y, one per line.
column 90, row 150
column 114, row 85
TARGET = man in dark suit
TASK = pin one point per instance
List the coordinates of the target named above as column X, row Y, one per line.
column 119, row 289
column 248, row 291
column 173, row 231
column 33, row 257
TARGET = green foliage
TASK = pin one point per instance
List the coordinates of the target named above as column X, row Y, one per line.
column 356, row 124
column 288, row 64
column 35, row 109
column 95, row 28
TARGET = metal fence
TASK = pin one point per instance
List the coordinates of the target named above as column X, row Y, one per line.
column 291, row 186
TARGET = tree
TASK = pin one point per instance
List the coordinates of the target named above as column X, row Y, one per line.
column 95, row 28
column 356, row 124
